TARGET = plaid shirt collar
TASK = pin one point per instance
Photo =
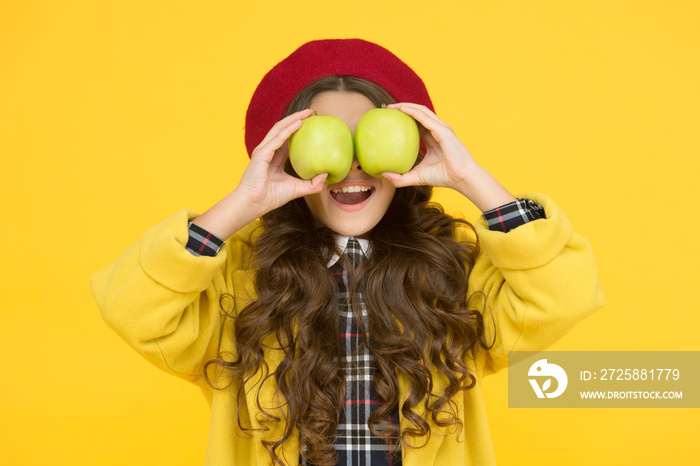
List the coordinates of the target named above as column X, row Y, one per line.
column 342, row 242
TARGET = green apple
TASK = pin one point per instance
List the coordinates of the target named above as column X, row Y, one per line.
column 386, row 140
column 323, row 144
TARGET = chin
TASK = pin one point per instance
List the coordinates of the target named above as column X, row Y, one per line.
column 352, row 230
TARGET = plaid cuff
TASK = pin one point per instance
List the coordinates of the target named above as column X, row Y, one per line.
column 201, row 242
column 512, row 215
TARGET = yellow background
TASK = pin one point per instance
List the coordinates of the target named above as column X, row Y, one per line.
column 113, row 115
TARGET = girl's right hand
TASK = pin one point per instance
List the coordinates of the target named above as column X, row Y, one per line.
column 264, row 185
column 264, row 182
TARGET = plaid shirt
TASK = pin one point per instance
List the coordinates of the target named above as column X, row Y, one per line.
column 513, row 214
column 354, row 441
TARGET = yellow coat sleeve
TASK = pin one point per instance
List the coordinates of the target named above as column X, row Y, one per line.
column 532, row 284
column 164, row 301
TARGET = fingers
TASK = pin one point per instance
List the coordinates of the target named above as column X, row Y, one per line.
column 279, row 134
column 285, row 122
column 410, row 178
column 429, row 141
column 421, row 111
column 312, row 186
column 279, row 158
column 437, row 137
column 423, row 115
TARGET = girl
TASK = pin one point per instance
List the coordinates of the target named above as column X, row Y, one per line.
column 352, row 323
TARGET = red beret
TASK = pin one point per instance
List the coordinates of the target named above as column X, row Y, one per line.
column 318, row 59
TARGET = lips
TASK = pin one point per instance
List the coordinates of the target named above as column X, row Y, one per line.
column 351, row 195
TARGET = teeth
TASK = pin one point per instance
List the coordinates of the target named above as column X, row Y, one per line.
column 352, row 189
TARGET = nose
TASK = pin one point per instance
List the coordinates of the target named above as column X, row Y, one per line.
column 355, row 165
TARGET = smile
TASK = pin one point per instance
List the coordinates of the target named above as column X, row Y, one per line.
column 352, row 197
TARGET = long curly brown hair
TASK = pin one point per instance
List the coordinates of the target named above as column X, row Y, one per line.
column 414, row 285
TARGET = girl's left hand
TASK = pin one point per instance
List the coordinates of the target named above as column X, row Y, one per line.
column 448, row 163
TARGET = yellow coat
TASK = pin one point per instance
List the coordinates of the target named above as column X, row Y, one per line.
column 539, row 281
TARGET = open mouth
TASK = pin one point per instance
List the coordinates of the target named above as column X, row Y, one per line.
column 352, row 195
